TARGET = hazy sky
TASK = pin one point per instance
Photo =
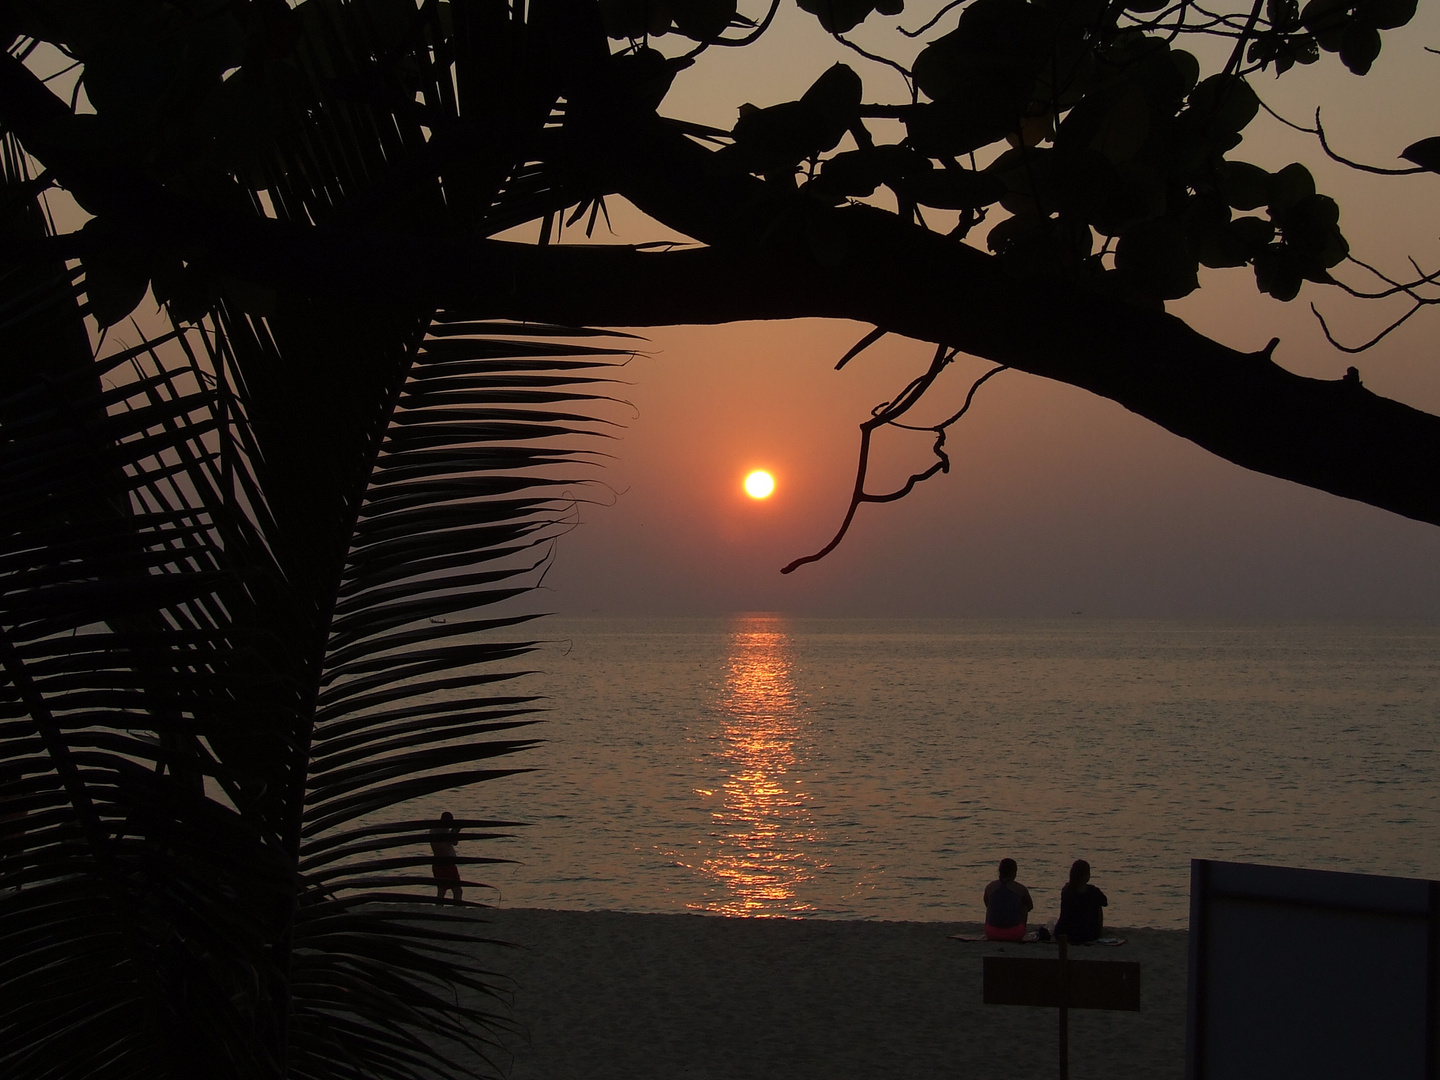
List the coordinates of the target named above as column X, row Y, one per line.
column 1058, row 501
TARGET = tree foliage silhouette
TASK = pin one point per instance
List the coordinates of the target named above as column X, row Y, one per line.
column 230, row 541
column 1119, row 177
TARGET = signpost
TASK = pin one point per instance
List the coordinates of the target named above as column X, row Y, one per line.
column 1064, row 984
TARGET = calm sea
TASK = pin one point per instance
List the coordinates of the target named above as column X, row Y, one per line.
column 878, row 769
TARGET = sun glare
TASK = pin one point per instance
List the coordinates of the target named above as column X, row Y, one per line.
column 759, row 484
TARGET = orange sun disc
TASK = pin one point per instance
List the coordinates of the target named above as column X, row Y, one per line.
column 759, row 484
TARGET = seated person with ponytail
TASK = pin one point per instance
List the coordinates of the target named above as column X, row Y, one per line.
column 1007, row 903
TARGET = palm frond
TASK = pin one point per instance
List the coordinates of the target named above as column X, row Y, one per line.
column 156, row 630
column 411, row 702
column 260, row 567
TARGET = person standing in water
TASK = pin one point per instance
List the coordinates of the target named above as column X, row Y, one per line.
column 1081, row 918
column 443, row 838
column 1007, row 903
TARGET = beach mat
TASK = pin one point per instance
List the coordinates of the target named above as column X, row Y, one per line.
column 1031, row 939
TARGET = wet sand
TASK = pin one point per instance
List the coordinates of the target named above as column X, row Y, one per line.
column 688, row 997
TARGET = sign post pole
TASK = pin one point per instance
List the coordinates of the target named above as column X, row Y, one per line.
column 1062, row 983
column 1064, row 943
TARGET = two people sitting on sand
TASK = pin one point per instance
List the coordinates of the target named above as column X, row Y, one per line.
column 1081, row 918
column 1007, row 904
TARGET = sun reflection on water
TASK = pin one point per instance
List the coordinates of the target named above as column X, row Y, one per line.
column 760, row 852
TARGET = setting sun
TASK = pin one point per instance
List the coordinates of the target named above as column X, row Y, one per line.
column 759, row 484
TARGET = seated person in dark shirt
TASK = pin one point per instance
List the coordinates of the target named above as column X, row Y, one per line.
column 1081, row 919
column 1007, row 902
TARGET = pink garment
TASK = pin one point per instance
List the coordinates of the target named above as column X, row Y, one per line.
column 1004, row 933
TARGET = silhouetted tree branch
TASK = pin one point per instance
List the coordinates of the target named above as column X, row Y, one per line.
column 888, row 414
column 871, row 267
column 775, row 251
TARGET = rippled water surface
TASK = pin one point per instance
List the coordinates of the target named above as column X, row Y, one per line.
column 763, row 765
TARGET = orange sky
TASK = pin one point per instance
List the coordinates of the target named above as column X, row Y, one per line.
column 1059, row 501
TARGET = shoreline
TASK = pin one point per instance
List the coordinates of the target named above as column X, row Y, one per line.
column 689, row 996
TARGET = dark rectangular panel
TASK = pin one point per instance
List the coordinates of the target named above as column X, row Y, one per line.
column 1094, row 984
column 1311, row 973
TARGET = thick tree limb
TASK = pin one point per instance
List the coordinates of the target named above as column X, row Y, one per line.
column 783, row 258
column 1331, row 435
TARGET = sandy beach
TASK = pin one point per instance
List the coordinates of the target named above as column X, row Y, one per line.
column 691, row 997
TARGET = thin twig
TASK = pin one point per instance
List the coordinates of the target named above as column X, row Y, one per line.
column 1239, row 52
column 1373, row 341
column 760, row 29
column 860, row 346
column 1374, row 270
column 1357, row 165
column 698, row 131
column 1287, row 123
column 878, row 59
column 889, row 414
column 63, row 71
column 1406, row 287
column 729, row 43
column 970, row 397
column 937, row 17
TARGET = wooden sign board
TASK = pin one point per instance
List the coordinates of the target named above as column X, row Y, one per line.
column 1093, row 984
